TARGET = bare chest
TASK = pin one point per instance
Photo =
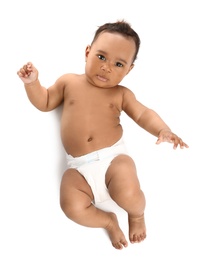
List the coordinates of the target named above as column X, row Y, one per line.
column 94, row 101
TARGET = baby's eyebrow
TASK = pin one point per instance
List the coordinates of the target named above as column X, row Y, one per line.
column 118, row 59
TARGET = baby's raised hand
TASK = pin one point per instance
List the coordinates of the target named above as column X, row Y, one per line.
column 168, row 136
column 28, row 73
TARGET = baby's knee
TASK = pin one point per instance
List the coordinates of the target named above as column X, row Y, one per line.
column 67, row 207
column 75, row 204
column 123, row 161
column 71, row 209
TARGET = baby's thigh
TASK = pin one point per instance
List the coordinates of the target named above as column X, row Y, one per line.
column 122, row 173
column 74, row 190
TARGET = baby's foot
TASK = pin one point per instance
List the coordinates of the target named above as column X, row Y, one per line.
column 137, row 229
column 115, row 233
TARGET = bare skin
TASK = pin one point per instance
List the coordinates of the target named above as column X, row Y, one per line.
column 92, row 103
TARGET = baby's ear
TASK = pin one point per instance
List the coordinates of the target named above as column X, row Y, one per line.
column 88, row 48
column 131, row 67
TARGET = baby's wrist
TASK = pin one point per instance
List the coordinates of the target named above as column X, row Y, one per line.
column 164, row 129
column 32, row 83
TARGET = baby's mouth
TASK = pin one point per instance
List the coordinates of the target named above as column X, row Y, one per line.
column 102, row 78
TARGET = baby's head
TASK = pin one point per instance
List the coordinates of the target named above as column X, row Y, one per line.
column 120, row 27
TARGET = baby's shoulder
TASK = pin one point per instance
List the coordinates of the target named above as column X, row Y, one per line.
column 69, row 79
column 124, row 90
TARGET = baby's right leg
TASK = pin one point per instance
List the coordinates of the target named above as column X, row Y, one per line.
column 75, row 199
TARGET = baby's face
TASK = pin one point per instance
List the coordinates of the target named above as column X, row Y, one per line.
column 109, row 59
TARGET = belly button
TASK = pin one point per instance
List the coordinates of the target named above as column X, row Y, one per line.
column 90, row 139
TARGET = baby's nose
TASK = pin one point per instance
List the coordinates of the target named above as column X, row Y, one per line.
column 106, row 67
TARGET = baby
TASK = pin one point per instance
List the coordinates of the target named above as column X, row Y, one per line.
column 99, row 167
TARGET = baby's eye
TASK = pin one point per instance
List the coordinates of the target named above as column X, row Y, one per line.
column 118, row 64
column 101, row 57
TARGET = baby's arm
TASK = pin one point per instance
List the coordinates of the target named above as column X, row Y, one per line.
column 149, row 120
column 42, row 98
column 153, row 123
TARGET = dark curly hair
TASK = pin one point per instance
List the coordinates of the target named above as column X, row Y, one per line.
column 123, row 28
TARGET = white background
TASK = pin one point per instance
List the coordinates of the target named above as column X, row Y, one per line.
column 170, row 76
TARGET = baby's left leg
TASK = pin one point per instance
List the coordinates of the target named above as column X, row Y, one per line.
column 124, row 188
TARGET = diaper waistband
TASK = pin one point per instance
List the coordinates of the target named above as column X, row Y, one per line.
column 115, row 149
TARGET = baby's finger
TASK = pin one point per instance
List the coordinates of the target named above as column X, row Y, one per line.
column 182, row 145
column 19, row 74
column 177, row 141
column 159, row 140
column 24, row 73
column 27, row 68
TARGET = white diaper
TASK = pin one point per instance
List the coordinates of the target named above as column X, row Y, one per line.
column 93, row 167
